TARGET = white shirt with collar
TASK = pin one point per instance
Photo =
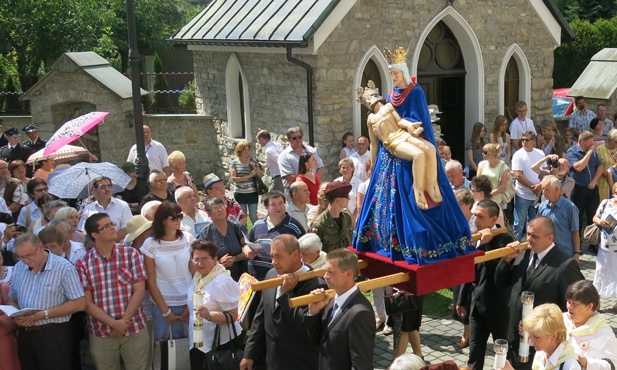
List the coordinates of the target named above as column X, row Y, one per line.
column 540, row 256
column 155, row 152
column 272, row 152
column 302, row 216
column 358, row 164
column 118, row 210
column 188, row 224
column 339, row 300
column 77, row 251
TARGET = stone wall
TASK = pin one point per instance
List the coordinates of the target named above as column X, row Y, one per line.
column 277, row 87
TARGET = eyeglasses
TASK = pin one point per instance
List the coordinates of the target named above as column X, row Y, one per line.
column 28, row 256
column 299, row 137
column 177, row 217
column 107, row 226
column 527, row 139
column 105, row 187
column 197, row 261
column 40, row 189
column 218, row 208
column 159, row 180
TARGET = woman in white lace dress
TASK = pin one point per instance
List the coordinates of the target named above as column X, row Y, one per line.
column 605, row 278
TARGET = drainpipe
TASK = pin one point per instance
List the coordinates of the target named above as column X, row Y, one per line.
column 309, row 92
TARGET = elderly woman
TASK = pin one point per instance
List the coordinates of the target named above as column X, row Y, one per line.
column 179, row 176
column 214, row 187
column 50, row 207
column 346, row 168
column 166, row 256
column 194, row 219
column 605, row 278
column 605, row 153
column 242, row 170
column 220, row 296
column 72, row 216
column 228, row 235
column 496, row 170
column 310, row 250
column 158, row 189
column 592, row 338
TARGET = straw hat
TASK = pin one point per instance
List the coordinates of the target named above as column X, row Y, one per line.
column 136, row 225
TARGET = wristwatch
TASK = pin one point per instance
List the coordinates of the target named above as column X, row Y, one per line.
column 46, row 314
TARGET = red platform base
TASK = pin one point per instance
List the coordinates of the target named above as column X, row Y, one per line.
column 423, row 279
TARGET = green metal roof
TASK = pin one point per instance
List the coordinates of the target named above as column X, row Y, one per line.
column 599, row 79
column 277, row 23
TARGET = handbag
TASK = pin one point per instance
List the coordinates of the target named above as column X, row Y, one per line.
column 172, row 354
column 507, row 194
column 399, row 302
column 260, row 186
column 593, row 232
column 227, row 356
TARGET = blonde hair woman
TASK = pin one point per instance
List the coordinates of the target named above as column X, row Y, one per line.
column 179, row 176
column 496, row 170
column 500, row 137
column 242, row 170
column 547, row 334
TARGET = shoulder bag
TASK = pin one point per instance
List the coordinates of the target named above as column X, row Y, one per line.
column 507, row 194
column 399, row 302
column 172, row 353
column 227, row 356
column 593, row 232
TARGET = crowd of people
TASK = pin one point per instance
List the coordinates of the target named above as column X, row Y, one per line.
column 132, row 270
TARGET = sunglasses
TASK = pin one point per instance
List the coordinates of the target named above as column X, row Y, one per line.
column 299, row 137
column 178, row 217
column 527, row 139
column 104, row 187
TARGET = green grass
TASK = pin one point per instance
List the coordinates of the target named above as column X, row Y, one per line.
column 436, row 304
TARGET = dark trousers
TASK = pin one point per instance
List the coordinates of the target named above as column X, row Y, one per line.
column 46, row 349
column 480, row 329
column 587, row 201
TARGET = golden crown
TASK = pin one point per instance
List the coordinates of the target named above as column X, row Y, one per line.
column 398, row 57
column 368, row 95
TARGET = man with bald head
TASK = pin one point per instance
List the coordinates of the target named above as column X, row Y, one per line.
column 360, row 157
column 277, row 331
column 542, row 269
column 155, row 152
column 299, row 207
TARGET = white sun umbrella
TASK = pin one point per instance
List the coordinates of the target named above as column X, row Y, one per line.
column 66, row 152
column 72, row 182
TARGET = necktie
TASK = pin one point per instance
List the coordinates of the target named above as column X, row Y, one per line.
column 332, row 313
column 532, row 266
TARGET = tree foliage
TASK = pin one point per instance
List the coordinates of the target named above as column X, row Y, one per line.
column 571, row 59
column 41, row 31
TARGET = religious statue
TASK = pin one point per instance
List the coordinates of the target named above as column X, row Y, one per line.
column 422, row 226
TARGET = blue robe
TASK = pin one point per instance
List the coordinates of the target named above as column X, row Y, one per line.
column 391, row 223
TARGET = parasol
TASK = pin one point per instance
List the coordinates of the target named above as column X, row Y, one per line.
column 72, row 130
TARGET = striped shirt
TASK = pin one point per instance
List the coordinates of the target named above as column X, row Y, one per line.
column 56, row 284
column 111, row 283
column 289, row 225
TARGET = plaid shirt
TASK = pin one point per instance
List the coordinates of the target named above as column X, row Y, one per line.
column 580, row 121
column 111, row 283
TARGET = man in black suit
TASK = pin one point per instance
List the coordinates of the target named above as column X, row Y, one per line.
column 345, row 330
column 277, row 330
column 13, row 150
column 488, row 304
column 544, row 270
column 3, row 140
column 34, row 142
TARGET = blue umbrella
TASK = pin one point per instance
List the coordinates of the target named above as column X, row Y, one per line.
column 73, row 182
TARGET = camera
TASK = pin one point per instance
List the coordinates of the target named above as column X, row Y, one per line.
column 554, row 164
column 21, row 229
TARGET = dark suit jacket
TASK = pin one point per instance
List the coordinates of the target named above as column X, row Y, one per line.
column 34, row 147
column 347, row 343
column 19, row 152
column 548, row 282
column 486, row 299
column 279, row 332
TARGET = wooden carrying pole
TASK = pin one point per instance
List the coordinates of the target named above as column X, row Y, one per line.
column 278, row 281
column 497, row 253
column 364, row 286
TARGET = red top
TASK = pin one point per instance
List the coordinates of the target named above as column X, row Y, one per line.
column 312, row 187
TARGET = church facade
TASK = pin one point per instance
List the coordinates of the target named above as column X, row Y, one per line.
column 280, row 64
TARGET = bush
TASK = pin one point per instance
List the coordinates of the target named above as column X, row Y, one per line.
column 187, row 98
